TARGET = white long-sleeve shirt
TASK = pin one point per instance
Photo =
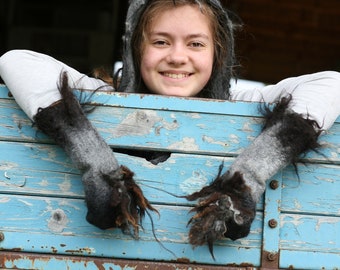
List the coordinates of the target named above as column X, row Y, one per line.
column 32, row 79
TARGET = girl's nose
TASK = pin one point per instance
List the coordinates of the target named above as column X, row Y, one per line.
column 177, row 56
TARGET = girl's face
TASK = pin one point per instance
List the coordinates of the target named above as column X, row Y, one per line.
column 178, row 53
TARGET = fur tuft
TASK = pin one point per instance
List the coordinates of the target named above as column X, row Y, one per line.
column 297, row 133
column 225, row 209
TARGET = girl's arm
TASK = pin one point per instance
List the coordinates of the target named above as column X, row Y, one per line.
column 41, row 86
column 305, row 106
column 315, row 95
column 33, row 79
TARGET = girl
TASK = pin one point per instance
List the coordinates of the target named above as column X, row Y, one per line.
column 180, row 48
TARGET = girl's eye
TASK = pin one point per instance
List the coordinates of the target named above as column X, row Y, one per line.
column 196, row 44
column 160, row 43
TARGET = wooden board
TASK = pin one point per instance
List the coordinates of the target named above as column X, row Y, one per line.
column 42, row 208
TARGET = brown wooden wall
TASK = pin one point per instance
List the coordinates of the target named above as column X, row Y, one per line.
column 280, row 38
column 287, row 38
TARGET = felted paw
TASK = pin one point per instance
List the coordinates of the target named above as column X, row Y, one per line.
column 225, row 209
column 121, row 204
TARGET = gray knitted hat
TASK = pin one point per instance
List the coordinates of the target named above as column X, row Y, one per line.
column 219, row 83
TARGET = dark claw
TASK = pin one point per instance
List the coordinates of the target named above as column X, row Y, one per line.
column 128, row 202
column 225, row 209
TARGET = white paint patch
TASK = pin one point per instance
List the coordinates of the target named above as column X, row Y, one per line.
column 324, row 179
column 234, row 139
column 138, row 123
column 247, row 127
column 325, row 220
column 142, row 122
column 187, row 144
column 25, row 202
column 65, row 186
column 297, row 204
column 195, row 116
column 212, row 141
column 197, row 181
column 43, row 183
column 5, row 200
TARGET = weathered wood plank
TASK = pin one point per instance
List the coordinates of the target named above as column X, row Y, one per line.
column 316, row 191
column 310, row 233
column 310, row 242
column 57, row 225
column 29, row 261
column 205, row 133
column 22, row 169
column 293, row 259
column 45, row 169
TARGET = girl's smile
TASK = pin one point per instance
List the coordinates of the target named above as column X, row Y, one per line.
column 178, row 60
column 175, row 75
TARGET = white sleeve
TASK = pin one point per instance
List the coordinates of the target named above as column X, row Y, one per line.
column 32, row 79
column 316, row 96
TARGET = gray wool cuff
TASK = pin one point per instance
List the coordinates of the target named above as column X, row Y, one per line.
column 261, row 160
column 88, row 150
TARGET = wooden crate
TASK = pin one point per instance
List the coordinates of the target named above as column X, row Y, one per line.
column 42, row 210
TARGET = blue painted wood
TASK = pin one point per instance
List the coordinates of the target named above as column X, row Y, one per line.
column 31, row 228
column 213, row 134
column 51, row 172
column 316, row 192
column 272, row 202
column 38, row 180
column 309, row 260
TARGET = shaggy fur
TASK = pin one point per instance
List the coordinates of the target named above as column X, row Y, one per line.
column 297, row 133
column 113, row 198
column 226, row 208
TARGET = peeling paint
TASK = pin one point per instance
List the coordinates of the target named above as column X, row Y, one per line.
column 234, row 139
column 58, row 221
column 65, row 186
column 43, row 183
column 325, row 220
column 324, row 179
column 187, row 143
column 297, row 204
column 137, row 123
column 25, row 202
column 212, row 141
column 194, row 183
column 293, row 219
column 247, row 127
column 5, row 200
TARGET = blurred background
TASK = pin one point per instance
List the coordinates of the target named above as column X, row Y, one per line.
column 278, row 39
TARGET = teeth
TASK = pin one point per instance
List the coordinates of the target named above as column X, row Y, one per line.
column 176, row 76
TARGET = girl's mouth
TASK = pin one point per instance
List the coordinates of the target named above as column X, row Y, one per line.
column 175, row 75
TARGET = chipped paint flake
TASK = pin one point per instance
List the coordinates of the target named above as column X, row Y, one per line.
column 187, row 144
column 4, row 200
column 247, row 127
column 138, row 123
column 194, row 183
column 65, row 186
column 234, row 139
column 325, row 220
column 142, row 122
column 212, row 141
column 25, row 202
